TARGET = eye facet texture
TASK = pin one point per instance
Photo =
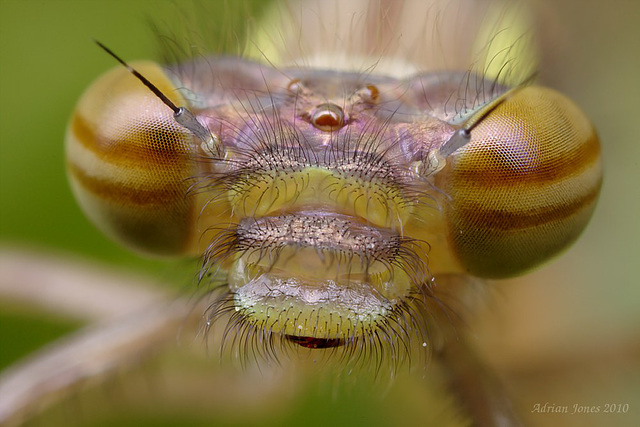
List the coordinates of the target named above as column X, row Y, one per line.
column 525, row 186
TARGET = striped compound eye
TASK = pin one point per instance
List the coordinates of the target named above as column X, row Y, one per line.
column 525, row 185
column 128, row 160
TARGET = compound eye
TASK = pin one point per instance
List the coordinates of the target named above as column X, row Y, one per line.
column 525, row 185
column 128, row 162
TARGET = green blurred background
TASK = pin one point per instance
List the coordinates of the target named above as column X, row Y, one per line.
column 572, row 318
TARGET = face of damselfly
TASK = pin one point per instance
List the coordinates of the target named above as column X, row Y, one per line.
column 548, row 326
column 332, row 198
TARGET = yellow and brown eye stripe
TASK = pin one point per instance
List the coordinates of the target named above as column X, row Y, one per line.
column 128, row 161
column 526, row 184
column 158, row 138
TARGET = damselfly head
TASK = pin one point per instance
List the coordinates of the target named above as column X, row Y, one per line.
column 335, row 176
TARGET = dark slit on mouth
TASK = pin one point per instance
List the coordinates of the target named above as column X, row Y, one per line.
column 311, row 342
